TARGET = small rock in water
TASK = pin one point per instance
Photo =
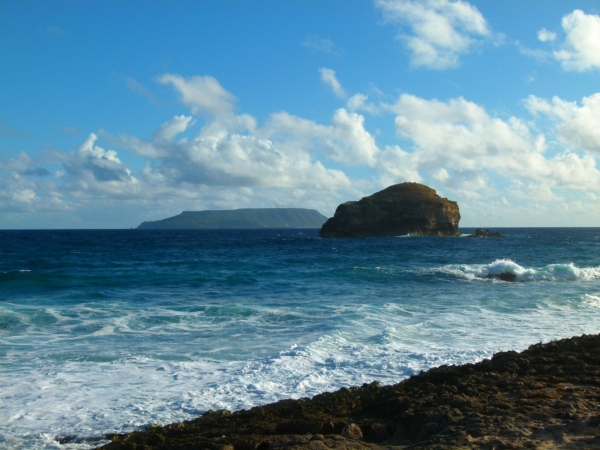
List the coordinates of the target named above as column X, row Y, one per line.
column 504, row 276
column 487, row 233
column 507, row 276
column 352, row 431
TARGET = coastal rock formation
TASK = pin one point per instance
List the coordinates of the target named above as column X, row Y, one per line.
column 487, row 233
column 240, row 218
column 406, row 208
column 545, row 397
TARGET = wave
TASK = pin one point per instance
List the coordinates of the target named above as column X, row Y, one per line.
column 508, row 270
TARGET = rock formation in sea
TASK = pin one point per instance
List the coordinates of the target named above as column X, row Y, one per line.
column 406, row 208
column 546, row 397
column 486, row 234
column 240, row 218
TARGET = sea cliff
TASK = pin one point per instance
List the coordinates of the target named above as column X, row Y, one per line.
column 407, row 208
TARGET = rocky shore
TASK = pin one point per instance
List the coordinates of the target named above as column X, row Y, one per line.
column 543, row 398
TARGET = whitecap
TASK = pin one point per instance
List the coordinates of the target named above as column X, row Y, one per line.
column 508, row 270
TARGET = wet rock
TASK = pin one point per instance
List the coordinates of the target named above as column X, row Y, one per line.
column 486, row 234
column 352, row 431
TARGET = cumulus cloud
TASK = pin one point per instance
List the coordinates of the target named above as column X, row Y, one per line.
column 168, row 130
column 201, row 94
column 546, row 36
column 346, row 140
column 439, row 31
column 328, row 77
column 578, row 126
column 92, row 168
column 359, row 102
column 581, row 49
column 232, row 161
column 461, row 137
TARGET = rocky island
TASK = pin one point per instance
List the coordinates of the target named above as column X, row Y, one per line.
column 546, row 397
column 240, row 218
column 406, row 208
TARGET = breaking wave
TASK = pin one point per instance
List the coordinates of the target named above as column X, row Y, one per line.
column 508, row 270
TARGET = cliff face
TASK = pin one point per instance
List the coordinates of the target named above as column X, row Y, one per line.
column 406, row 208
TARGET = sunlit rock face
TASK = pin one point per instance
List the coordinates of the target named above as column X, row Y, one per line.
column 406, row 208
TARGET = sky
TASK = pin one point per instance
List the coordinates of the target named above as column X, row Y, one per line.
column 113, row 113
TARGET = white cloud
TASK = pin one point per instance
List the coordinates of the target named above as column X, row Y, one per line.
column 358, row 102
column 243, row 160
column 460, row 136
column 92, row 169
column 581, row 48
column 546, row 36
column 328, row 77
column 201, row 94
column 346, row 140
column 579, row 126
column 399, row 165
column 494, row 166
column 24, row 195
column 440, row 30
column 168, row 130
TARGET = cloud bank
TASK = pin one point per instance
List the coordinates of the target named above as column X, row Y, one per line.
column 214, row 157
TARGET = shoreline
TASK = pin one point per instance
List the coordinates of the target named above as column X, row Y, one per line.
column 545, row 397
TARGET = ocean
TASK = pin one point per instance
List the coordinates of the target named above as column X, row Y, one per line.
column 106, row 331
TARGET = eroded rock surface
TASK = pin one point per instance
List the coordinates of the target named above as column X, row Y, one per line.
column 545, row 397
column 407, row 208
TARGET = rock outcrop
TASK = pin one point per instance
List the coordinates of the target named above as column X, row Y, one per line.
column 546, row 397
column 487, row 233
column 406, row 208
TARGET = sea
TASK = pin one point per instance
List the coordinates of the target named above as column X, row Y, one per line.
column 109, row 331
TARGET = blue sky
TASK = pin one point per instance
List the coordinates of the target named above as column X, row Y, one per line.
column 113, row 113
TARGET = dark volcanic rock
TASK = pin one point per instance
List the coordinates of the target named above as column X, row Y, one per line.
column 487, row 233
column 545, row 397
column 407, row 208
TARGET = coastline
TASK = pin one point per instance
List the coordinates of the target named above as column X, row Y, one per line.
column 547, row 396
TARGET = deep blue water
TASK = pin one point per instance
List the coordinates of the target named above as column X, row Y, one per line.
column 109, row 330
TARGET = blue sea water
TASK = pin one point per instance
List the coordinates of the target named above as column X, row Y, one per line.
column 110, row 331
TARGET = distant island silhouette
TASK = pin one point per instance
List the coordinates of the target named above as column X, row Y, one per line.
column 245, row 218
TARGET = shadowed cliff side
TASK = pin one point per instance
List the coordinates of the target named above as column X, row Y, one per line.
column 406, row 208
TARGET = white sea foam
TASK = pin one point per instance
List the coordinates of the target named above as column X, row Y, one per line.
column 510, row 271
column 81, row 398
column 591, row 301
